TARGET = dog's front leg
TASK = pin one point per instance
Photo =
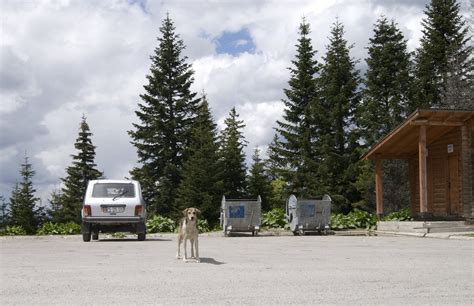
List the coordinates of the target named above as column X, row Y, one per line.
column 192, row 248
column 185, row 250
column 178, row 254
column 197, row 249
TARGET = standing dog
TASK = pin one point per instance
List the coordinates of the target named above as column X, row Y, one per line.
column 188, row 230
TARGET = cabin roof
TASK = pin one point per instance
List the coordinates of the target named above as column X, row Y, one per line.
column 402, row 141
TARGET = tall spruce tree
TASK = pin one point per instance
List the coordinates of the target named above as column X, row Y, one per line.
column 444, row 57
column 165, row 116
column 298, row 132
column 25, row 210
column 387, row 94
column 259, row 181
column 339, row 81
column 82, row 170
column 200, row 186
column 386, row 101
column 232, row 156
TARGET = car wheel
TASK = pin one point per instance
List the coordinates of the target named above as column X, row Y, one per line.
column 86, row 237
column 95, row 236
column 141, row 236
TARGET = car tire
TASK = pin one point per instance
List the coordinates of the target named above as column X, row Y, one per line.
column 86, row 237
column 95, row 236
column 141, row 236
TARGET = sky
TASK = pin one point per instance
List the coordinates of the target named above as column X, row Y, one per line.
column 60, row 60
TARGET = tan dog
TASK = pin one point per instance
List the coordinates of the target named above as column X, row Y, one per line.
column 188, row 230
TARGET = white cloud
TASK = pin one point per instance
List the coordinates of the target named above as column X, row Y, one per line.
column 241, row 42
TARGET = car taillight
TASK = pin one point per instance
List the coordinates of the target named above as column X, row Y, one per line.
column 138, row 210
column 87, row 210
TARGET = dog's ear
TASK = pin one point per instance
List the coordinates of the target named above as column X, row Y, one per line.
column 185, row 212
column 198, row 211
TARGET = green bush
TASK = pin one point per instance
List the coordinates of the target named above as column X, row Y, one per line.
column 50, row 228
column 13, row 230
column 119, row 235
column 354, row 219
column 401, row 215
column 203, row 226
column 274, row 218
column 160, row 224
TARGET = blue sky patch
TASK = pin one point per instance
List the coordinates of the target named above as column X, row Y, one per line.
column 141, row 3
column 234, row 43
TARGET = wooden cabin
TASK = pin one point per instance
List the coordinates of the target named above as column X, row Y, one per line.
column 439, row 147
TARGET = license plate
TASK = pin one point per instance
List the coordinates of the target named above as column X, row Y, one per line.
column 113, row 210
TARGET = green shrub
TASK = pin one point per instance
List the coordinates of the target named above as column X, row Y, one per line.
column 160, row 224
column 203, row 226
column 274, row 218
column 13, row 230
column 354, row 219
column 119, row 235
column 401, row 215
column 50, row 228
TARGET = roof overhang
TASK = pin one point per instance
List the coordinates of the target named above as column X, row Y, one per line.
column 402, row 142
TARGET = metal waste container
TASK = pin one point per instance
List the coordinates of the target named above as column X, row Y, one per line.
column 241, row 215
column 308, row 215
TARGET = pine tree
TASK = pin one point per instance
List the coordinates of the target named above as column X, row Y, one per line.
column 166, row 116
column 273, row 165
column 445, row 53
column 259, row 181
column 457, row 91
column 339, row 81
column 298, row 132
column 387, row 94
column 386, row 101
column 24, row 206
column 200, row 186
column 4, row 213
column 232, row 157
column 55, row 202
column 82, row 170
column 274, row 162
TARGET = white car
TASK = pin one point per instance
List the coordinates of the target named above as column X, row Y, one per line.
column 113, row 206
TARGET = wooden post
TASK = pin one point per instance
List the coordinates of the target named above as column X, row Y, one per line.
column 378, row 187
column 422, row 153
column 467, row 167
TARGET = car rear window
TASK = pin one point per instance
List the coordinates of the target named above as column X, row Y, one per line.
column 111, row 190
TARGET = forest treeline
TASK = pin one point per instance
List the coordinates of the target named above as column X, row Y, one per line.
column 332, row 115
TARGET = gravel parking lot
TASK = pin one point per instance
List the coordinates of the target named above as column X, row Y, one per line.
column 263, row 270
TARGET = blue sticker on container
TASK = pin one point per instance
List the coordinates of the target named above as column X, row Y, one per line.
column 236, row 211
column 307, row 210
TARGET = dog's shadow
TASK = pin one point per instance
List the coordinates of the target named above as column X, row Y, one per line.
column 212, row 261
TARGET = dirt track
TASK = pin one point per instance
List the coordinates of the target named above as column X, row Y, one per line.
column 238, row 270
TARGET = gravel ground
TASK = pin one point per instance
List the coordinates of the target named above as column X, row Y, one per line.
column 263, row 270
